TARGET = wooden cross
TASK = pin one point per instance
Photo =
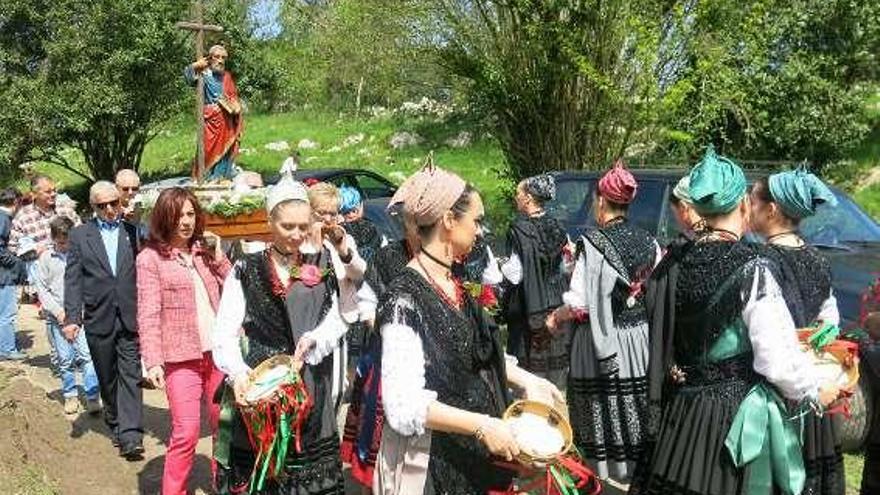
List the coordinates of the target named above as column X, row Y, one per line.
column 199, row 27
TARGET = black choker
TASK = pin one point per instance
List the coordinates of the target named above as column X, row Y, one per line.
column 617, row 219
column 448, row 266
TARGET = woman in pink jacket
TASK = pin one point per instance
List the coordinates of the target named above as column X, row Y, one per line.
column 179, row 286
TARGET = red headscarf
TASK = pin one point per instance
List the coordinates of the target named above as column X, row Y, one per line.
column 618, row 184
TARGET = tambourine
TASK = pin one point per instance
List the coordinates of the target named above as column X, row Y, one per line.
column 835, row 362
column 542, row 432
column 267, row 378
column 276, row 410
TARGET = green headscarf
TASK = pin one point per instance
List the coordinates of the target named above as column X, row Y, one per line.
column 717, row 184
column 798, row 192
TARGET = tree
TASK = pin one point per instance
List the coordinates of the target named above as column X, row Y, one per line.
column 98, row 76
column 771, row 79
column 568, row 82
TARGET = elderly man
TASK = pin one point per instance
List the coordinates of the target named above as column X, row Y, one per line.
column 222, row 112
column 33, row 220
column 101, row 299
column 128, row 183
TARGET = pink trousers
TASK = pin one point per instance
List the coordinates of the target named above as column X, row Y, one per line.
column 187, row 385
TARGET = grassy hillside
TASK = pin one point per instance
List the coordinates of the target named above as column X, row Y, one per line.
column 481, row 162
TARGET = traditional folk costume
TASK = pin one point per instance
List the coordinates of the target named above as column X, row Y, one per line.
column 273, row 319
column 365, row 418
column 723, row 349
column 607, row 385
column 436, row 349
column 368, row 240
column 536, row 269
column 433, row 351
column 805, row 279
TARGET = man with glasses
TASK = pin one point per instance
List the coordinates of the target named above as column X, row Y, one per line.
column 128, row 183
column 100, row 298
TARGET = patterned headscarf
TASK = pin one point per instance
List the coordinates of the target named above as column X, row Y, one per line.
column 618, row 184
column 682, row 189
column 799, row 193
column 717, row 184
column 542, row 187
column 428, row 194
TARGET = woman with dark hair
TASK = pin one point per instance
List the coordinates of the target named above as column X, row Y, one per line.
column 444, row 374
column 536, row 271
column 724, row 353
column 779, row 203
column 607, row 381
column 286, row 301
column 179, row 284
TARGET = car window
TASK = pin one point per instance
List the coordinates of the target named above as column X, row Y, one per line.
column 844, row 223
column 373, row 187
column 648, row 207
column 571, row 206
column 344, row 180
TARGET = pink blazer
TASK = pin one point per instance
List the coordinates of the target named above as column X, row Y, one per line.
column 167, row 320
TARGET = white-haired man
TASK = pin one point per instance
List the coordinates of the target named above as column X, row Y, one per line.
column 100, row 298
column 128, row 183
column 222, row 112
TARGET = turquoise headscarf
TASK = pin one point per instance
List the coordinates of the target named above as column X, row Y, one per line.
column 799, row 193
column 717, row 184
column 350, row 198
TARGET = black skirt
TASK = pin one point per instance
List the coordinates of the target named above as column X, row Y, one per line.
column 688, row 456
column 823, row 459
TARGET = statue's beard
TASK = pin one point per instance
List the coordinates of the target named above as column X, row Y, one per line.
column 217, row 69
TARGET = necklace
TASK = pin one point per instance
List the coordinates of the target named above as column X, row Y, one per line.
column 722, row 234
column 459, row 291
column 286, row 256
column 617, row 219
column 783, row 234
column 431, row 257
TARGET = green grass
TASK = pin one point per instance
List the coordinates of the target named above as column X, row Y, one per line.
column 852, row 464
column 482, row 163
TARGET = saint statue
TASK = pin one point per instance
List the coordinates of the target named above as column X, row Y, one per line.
column 222, row 112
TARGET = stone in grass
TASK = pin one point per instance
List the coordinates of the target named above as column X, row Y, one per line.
column 307, row 144
column 335, row 149
column 353, row 140
column 462, row 140
column 404, row 139
column 277, row 146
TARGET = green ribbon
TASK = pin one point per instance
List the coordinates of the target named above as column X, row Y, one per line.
column 763, row 438
column 224, row 428
column 823, row 336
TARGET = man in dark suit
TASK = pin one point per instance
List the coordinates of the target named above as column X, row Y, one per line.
column 100, row 296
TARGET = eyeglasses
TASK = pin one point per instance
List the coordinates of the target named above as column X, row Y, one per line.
column 101, row 206
column 326, row 214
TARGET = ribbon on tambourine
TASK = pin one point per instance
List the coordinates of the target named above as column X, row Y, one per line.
column 270, row 424
column 566, row 475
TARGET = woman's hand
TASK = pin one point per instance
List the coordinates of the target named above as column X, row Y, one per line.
column 497, row 437
column 240, row 386
column 156, row 376
column 541, row 390
column 828, row 393
column 303, row 347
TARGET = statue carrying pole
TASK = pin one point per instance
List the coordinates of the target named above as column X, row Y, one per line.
column 199, row 28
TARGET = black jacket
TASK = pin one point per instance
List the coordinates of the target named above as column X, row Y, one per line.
column 93, row 297
column 12, row 269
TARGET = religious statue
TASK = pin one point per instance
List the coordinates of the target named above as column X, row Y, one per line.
column 221, row 111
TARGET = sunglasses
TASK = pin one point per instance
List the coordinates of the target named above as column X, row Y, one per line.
column 131, row 189
column 105, row 204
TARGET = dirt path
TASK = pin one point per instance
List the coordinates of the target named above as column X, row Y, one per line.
column 41, row 448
